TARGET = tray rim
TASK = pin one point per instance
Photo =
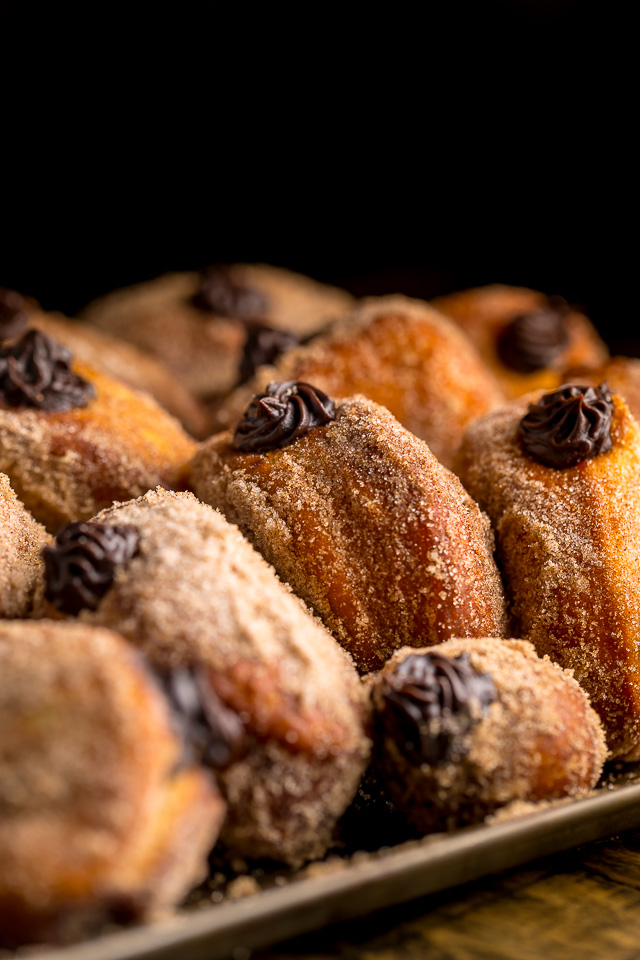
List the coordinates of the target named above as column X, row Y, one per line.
column 395, row 875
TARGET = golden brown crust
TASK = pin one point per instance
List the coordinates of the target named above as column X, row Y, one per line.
column 400, row 353
column 206, row 354
column 95, row 812
column 21, row 566
column 198, row 593
column 368, row 528
column 483, row 312
column 67, row 466
column 539, row 740
column 127, row 363
column 567, row 544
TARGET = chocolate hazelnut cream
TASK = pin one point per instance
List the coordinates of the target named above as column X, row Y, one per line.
column 35, row 371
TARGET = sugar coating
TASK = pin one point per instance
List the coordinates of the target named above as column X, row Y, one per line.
column 207, row 353
column 198, row 593
column 539, row 740
column 483, row 312
column 567, row 547
column 21, row 566
column 400, row 353
column 368, row 528
column 93, row 810
column 67, row 466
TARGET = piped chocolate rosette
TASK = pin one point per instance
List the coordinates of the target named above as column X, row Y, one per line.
column 35, row 370
column 471, row 725
column 568, row 426
column 534, row 340
column 262, row 694
column 279, row 417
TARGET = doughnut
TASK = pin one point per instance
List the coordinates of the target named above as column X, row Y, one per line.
column 359, row 517
column 398, row 352
column 214, row 312
column 470, row 725
column 558, row 474
column 527, row 338
column 115, row 357
column 73, row 439
column 21, row 543
column 242, row 653
column 101, row 816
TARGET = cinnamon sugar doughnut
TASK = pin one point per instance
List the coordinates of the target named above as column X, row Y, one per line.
column 73, row 440
column 101, row 817
column 21, row 543
column 196, row 323
column 471, row 725
column 362, row 520
column 115, row 357
column 527, row 338
column 567, row 540
column 398, row 352
column 191, row 593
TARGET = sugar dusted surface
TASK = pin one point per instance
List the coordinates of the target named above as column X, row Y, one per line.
column 21, row 566
column 368, row 528
column 400, row 353
column 567, row 543
column 539, row 740
column 198, row 592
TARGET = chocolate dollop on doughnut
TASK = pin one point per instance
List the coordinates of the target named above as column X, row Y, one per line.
column 36, row 372
column 279, row 417
column 81, row 565
column 534, row 340
column 263, row 344
column 14, row 314
column 429, row 702
column 568, row 426
column 213, row 734
column 220, row 294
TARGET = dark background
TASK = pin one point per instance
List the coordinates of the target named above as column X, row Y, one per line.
column 482, row 142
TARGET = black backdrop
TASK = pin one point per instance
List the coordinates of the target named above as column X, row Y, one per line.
column 479, row 143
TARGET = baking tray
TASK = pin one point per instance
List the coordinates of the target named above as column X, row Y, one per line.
column 345, row 889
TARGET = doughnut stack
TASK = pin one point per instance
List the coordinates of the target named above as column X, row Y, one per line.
column 270, row 556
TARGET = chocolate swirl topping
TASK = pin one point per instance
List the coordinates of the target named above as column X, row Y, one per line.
column 36, row 372
column 430, row 702
column 568, row 426
column 212, row 733
column 81, row 565
column 264, row 344
column 279, row 417
column 220, row 294
column 534, row 340
column 14, row 314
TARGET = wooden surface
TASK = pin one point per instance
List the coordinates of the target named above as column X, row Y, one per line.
column 584, row 903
